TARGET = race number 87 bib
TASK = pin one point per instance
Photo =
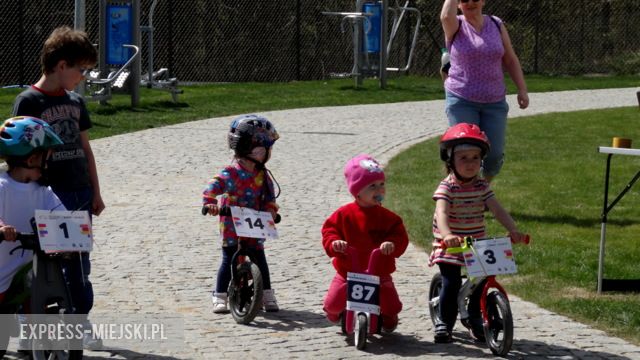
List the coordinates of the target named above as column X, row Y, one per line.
column 363, row 293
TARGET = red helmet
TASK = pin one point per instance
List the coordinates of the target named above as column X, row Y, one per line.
column 463, row 133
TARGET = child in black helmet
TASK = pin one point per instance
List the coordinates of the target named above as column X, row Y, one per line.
column 25, row 144
column 246, row 183
column 460, row 202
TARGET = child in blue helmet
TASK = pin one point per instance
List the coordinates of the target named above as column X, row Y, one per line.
column 25, row 144
column 246, row 183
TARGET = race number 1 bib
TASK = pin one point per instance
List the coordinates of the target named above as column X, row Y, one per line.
column 363, row 293
column 492, row 257
column 253, row 223
column 64, row 231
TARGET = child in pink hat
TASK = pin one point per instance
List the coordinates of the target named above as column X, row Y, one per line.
column 364, row 225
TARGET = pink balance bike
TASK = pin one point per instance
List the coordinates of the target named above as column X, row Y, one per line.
column 362, row 316
column 484, row 259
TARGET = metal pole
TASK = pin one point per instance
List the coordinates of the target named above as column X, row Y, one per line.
column 358, row 38
column 603, row 227
column 102, row 45
column 297, row 39
column 136, row 65
column 383, row 41
column 79, row 16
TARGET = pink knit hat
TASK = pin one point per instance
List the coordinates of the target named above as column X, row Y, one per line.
column 361, row 171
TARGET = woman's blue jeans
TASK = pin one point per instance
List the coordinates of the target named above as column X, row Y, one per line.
column 490, row 117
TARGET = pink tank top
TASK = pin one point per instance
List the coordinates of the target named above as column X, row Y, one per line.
column 476, row 63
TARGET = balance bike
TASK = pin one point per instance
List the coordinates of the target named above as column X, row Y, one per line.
column 246, row 288
column 362, row 316
column 484, row 259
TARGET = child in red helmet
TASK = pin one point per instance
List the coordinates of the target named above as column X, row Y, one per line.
column 460, row 202
column 364, row 225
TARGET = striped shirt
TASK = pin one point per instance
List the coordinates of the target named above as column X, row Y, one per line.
column 466, row 214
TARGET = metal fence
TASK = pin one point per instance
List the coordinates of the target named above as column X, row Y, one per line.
column 265, row 40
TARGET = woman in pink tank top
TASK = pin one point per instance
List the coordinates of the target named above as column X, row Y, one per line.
column 480, row 48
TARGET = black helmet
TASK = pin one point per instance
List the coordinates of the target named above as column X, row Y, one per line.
column 251, row 131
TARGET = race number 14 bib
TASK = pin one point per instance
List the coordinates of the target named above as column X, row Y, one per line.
column 253, row 223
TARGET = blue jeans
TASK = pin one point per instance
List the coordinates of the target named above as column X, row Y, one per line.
column 490, row 117
column 77, row 269
column 224, row 272
column 451, row 283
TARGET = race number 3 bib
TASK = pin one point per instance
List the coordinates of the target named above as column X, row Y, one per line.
column 492, row 257
column 363, row 293
column 64, row 231
column 253, row 223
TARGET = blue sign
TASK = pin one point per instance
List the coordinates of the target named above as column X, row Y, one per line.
column 118, row 33
column 372, row 24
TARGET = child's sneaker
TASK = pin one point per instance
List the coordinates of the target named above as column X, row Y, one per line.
column 91, row 341
column 269, row 301
column 219, row 303
column 476, row 329
column 389, row 323
column 442, row 335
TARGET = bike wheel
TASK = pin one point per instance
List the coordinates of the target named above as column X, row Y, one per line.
column 499, row 333
column 245, row 293
column 360, row 334
column 56, row 354
column 434, row 298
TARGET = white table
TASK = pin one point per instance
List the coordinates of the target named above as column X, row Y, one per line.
column 609, row 284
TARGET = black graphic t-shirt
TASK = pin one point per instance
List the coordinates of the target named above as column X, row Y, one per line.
column 68, row 116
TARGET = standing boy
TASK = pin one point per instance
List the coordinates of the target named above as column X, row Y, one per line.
column 66, row 57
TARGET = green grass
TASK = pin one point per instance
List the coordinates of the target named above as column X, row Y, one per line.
column 552, row 183
column 207, row 101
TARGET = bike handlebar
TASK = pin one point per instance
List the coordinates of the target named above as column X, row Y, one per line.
column 226, row 211
column 467, row 242
column 29, row 241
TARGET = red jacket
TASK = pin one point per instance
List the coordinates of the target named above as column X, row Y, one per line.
column 364, row 229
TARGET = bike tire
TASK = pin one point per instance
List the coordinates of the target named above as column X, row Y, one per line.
column 245, row 293
column 434, row 298
column 360, row 334
column 499, row 333
column 57, row 355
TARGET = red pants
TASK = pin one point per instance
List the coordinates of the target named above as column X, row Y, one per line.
column 335, row 301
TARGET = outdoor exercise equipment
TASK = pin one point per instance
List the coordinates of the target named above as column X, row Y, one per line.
column 372, row 38
column 157, row 79
column 118, row 51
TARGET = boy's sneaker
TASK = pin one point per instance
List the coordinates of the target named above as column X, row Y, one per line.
column 442, row 334
column 219, row 303
column 269, row 302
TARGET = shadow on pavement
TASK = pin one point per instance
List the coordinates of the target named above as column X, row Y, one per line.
column 115, row 354
column 525, row 349
column 289, row 320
